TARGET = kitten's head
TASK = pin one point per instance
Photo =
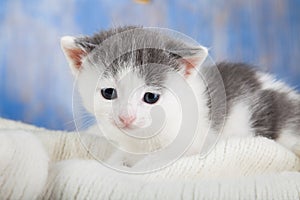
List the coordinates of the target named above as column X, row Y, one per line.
column 124, row 73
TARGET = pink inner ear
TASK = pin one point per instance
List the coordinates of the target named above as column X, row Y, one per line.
column 189, row 64
column 76, row 55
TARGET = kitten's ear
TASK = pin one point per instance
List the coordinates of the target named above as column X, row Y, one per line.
column 191, row 58
column 74, row 51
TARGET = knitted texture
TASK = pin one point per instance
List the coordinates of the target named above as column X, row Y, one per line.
column 38, row 163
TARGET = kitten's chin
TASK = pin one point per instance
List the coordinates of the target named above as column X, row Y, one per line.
column 131, row 127
column 125, row 128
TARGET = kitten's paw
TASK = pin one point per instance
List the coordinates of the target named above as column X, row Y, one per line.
column 116, row 160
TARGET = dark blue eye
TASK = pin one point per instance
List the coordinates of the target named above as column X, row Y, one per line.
column 151, row 98
column 109, row 93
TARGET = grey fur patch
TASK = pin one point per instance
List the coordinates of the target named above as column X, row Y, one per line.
column 274, row 111
column 150, row 64
column 239, row 82
column 149, row 52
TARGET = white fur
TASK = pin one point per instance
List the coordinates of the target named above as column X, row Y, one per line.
column 130, row 89
column 290, row 139
column 195, row 82
column 238, row 123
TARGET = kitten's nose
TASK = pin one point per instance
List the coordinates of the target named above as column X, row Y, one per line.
column 127, row 120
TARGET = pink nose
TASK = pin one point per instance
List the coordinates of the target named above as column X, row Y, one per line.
column 127, row 120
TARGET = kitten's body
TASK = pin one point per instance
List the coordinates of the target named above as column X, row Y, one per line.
column 258, row 105
column 138, row 61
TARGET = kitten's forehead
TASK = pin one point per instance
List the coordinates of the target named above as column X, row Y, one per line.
column 131, row 77
column 128, row 81
column 150, row 65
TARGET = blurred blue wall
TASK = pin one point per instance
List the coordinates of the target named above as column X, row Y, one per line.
column 35, row 81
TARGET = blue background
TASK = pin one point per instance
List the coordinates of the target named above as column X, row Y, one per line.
column 36, row 83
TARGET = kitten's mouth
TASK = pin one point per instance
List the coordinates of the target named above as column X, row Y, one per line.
column 124, row 127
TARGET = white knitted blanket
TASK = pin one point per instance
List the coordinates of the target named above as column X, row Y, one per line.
column 41, row 164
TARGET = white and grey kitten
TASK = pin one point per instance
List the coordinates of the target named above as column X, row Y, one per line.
column 126, row 72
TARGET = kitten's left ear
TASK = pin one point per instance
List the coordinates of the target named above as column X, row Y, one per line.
column 74, row 51
column 191, row 58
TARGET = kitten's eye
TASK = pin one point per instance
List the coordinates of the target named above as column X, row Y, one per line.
column 109, row 93
column 151, row 98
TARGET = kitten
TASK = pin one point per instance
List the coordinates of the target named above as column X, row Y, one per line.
column 126, row 74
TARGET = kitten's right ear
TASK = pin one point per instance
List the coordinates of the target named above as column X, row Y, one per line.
column 74, row 52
